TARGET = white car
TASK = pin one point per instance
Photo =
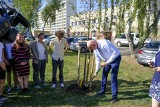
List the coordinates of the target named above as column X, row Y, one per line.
column 122, row 40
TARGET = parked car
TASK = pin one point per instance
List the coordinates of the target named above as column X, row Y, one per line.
column 80, row 41
column 148, row 52
column 69, row 40
column 48, row 39
column 121, row 39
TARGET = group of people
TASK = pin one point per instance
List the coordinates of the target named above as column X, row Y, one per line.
column 107, row 56
column 15, row 57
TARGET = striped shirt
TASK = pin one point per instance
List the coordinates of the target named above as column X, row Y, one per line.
column 21, row 55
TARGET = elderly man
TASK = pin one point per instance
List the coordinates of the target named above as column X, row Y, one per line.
column 106, row 51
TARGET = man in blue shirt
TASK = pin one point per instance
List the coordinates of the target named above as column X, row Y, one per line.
column 106, row 51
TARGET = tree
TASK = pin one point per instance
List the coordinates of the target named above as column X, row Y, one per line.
column 29, row 9
column 49, row 12
column 147, row 23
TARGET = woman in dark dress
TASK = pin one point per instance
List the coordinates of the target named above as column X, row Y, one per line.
column 21, row 54
column 155, row 85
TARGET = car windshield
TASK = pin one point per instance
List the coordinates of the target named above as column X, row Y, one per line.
column 152, row 45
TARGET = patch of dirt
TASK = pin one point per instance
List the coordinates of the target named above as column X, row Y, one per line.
column 75, row 89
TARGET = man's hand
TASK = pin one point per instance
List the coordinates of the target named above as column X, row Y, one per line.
column 95, row 74
column 150, row 63
column 103, row 64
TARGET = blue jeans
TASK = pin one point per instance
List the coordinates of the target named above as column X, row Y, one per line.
column 55, row 64
column 39, row 68
column 114, row 75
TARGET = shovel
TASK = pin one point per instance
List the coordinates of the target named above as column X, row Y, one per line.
column 86, row 85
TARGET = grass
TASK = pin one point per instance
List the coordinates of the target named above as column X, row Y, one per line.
column 134, row 81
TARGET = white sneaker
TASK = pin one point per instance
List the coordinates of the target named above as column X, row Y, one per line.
column 62, row 85
column 37, row 87
column 53, row 85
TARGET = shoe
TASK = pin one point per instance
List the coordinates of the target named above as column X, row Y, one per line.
column 62, row 85
column 37, row 87
column 9, row 90
column 1, row 103
column 53, row 85
column 114, row 100
column 3, row 98
column 100, row 93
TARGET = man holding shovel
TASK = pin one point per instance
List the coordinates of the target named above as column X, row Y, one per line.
column 106, row 51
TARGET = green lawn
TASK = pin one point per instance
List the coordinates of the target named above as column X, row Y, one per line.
column 134, row 82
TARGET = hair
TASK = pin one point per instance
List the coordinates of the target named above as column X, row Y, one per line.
column 107, row 35
column 17, row 42
column 59, row 33
column 40, row 34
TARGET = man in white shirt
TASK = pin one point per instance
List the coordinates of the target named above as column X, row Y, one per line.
column 106, row 51
column 58, row 43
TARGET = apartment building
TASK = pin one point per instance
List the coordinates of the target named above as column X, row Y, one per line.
column 79, row 25
column 62, row 18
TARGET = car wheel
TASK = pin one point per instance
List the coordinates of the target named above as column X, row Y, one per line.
column 118, row 44
column 83, row 49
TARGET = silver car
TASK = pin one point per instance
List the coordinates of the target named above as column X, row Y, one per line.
column 148, row 52
column 79, row 41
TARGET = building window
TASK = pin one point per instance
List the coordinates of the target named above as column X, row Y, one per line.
column 79, row 22
column 72, row 23
column 10, row 0
column 93, row 21
column 83, row 21
column 75, row 23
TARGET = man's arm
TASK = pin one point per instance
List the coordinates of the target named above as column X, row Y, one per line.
column 98, row 60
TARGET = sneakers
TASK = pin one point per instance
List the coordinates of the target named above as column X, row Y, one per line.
column 3, row 98
column 1, row 103
column 62, row 85
column 37, row 87
column 114, row 100
column 53, row 85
